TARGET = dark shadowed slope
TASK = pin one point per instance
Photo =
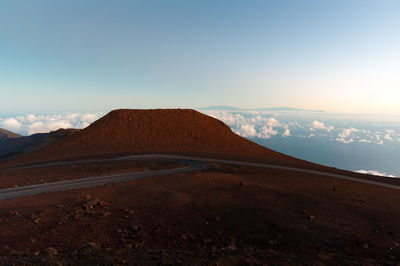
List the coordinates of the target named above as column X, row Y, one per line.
column 161, row 131
column 12, row 147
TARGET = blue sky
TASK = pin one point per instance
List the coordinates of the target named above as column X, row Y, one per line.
column 79, row 56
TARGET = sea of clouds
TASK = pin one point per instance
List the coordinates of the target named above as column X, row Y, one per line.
column 265, row 125
column 273, row 125
column 31, row 124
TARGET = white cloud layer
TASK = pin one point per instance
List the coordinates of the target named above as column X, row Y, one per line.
column 256, row 126
column 32, row 124
column 346, row 135
column 286, row 133
column 11, row 124
column 373, row 172
column 266, row 125
column 316, row 125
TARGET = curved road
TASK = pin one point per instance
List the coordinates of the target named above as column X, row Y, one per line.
column 193, row 164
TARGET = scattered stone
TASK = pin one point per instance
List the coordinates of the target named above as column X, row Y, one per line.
column 51, row 252
column 311, row 218
column 232, row 244
column 91, row 204
column 207, row 241
column 105, row 214
column 88, row 248
column 15, row 253
column 135, row 228
column 14, row 213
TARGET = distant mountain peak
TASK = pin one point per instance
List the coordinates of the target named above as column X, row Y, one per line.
column 232, row 108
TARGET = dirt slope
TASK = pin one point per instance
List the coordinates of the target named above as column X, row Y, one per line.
column 5, row 134
column 160, row 130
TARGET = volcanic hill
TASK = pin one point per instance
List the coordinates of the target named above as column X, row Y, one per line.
column 178, row 131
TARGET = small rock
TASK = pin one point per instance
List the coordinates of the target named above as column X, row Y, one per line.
column 15, row 253
column 50, row 252
column 105, row 214
column 135, row 228
column 14, row 213
column 90, row 204
column 232, row 244
column 88, row 248
column 207, row 241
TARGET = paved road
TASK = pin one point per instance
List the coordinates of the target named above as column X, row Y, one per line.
column 17, row 192
column 193, row 164
column 278, row 167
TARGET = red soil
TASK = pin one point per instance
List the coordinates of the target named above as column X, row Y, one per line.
column 226, row 215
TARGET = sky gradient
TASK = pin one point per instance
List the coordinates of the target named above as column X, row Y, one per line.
column 78, row 56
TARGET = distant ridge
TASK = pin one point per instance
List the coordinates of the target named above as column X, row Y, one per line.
column 13, row 147
column 231, row 108
column 220, row 107
column 5, row 134
column 154, row 131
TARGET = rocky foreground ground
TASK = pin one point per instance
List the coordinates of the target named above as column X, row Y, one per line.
column 225, row 215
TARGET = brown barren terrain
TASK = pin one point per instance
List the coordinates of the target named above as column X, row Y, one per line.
column 222, row 215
